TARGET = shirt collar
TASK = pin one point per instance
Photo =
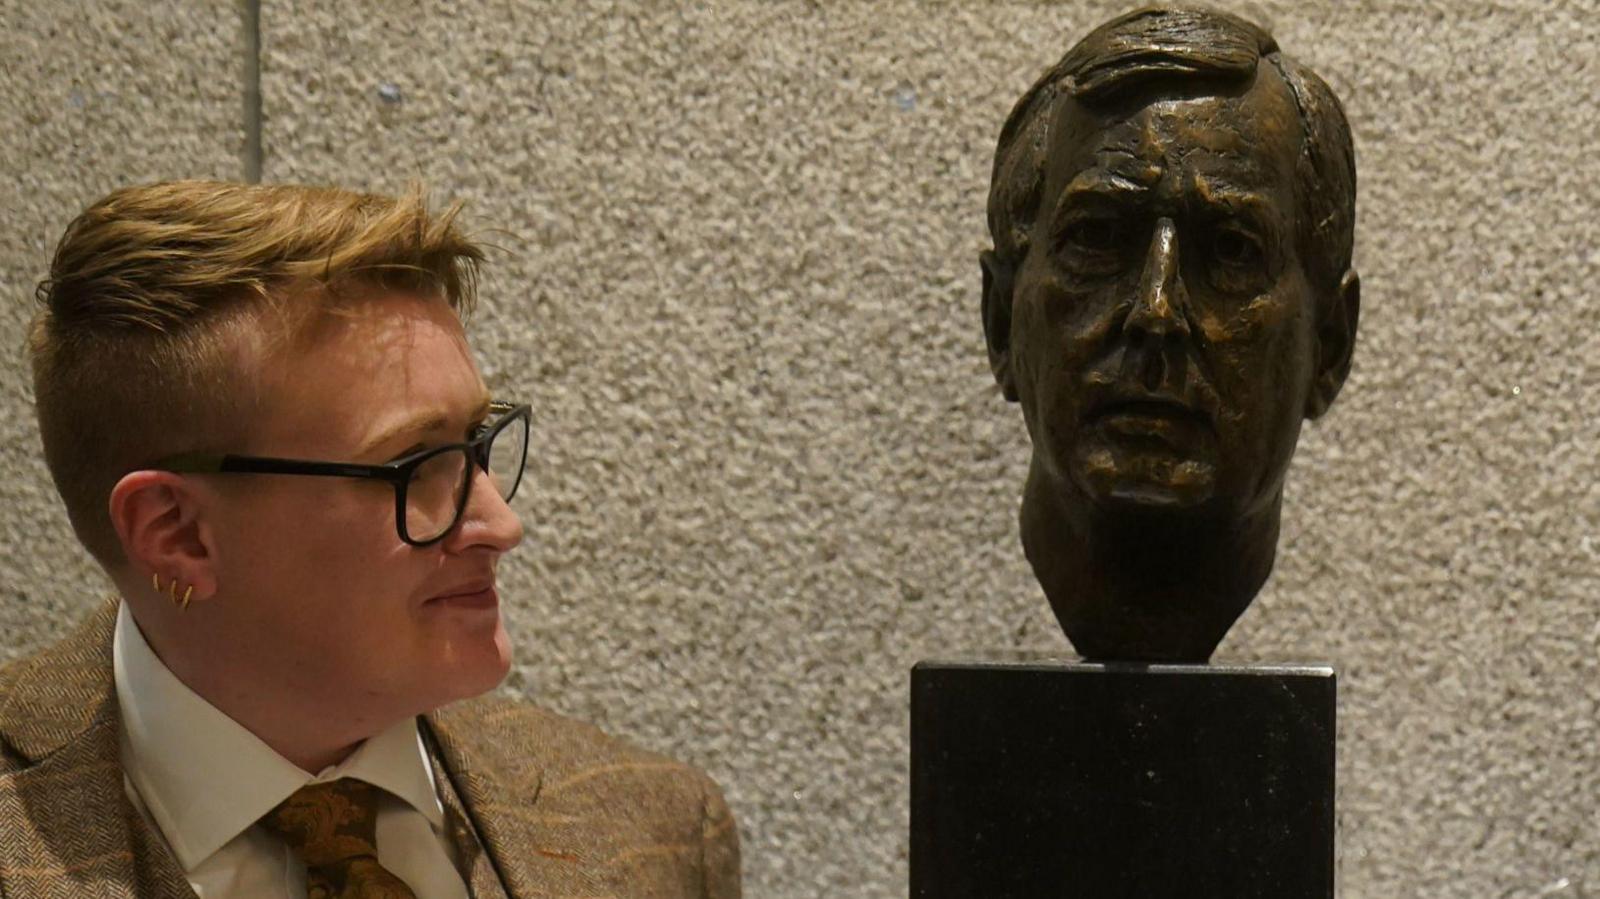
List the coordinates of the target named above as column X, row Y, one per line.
column 205, row 779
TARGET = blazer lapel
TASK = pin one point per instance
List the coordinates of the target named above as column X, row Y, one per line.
column 562, row 810
column 498, row 796
column 472, row 861
column 67, row 827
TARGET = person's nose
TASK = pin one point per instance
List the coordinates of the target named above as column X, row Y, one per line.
column 1160, row 308
column 488, row 520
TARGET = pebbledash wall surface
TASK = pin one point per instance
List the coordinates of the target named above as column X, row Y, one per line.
column 738, row 281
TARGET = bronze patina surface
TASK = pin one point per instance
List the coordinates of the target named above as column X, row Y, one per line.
column 1169, row 295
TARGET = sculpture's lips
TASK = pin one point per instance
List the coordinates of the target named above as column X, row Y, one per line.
column 1154, row 422
column 1150, row 407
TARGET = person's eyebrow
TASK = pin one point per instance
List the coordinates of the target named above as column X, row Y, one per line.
column 421, row 423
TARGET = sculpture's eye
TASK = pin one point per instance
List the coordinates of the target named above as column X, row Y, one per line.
column 1093, row 234
column 1237, row 260
column 1094, row 245
column 1233, row 247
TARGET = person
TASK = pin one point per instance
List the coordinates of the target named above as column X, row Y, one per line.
column 1169, row 295
column 260, row 409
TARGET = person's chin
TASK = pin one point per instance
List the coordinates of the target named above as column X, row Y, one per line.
column 474, row 662
column 491, row 677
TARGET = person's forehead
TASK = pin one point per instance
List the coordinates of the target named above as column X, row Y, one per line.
column 362, row 365
column 1248, row 141
column 391, row 314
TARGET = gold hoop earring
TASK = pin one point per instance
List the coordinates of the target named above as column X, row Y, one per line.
column 172, row 592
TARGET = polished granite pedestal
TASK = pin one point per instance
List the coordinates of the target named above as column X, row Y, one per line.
column 1045, row 778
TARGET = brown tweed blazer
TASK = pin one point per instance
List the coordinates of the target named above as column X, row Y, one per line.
column 563, row 810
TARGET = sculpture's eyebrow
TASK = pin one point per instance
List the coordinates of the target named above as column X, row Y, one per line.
column 1245, row 203
column 1098, row 184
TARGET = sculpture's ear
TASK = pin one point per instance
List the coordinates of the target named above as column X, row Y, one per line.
column 997, row 320
column 1336, row 342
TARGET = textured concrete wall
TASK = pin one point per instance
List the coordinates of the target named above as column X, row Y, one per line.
column 93, row 95
column 739, row 285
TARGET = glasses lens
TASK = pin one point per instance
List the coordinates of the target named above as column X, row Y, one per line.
column 433, row 495
column 508, row 455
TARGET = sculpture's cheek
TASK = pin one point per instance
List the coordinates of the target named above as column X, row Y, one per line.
column 1065, row 302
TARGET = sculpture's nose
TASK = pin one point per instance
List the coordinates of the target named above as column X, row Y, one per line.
column 1160, row 306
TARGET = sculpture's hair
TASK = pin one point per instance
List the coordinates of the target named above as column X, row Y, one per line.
column 1203, row 48
column 157, row 292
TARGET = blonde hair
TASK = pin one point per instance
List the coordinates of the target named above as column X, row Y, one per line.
column 136, row 345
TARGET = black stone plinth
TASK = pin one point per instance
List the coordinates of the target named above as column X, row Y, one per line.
column 1066, row 780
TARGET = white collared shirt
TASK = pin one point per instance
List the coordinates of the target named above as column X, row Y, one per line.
column 203, row 781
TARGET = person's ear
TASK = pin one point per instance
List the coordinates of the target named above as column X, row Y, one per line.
column 1336, row 343
column 997, row 280
column 160, row 519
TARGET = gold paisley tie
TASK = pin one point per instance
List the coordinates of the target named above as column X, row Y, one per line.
column 332, row 827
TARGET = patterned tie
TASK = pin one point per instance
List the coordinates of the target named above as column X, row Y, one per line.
column 332, row 827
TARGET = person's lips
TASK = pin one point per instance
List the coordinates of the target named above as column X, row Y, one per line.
column 478, row 594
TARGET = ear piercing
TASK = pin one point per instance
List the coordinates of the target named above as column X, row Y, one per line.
column 172, row 591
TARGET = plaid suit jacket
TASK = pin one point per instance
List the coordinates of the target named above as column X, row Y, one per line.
column 562, row 809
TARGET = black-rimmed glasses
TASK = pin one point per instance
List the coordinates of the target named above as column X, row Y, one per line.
column 430, row 487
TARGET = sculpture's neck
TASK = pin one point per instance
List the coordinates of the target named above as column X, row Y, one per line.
column 1144, row 584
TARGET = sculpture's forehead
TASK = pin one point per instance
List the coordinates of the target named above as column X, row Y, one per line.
column 1250, row 140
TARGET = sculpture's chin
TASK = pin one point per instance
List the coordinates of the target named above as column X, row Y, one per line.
column 1134, row 482
column 1179, row 629
column 1145, row 561
column 1154, row 497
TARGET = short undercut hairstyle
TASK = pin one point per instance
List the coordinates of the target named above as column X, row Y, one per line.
column 155, row 291
column 1195, row 48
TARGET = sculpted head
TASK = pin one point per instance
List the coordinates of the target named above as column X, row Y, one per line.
column 1169, row 295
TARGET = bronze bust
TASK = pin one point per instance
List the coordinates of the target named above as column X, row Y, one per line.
column 1169, row 294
